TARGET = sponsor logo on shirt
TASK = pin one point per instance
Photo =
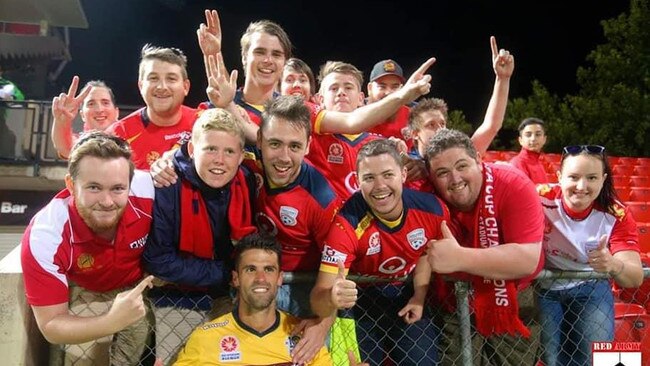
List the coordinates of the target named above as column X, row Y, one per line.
column 139, row 243
column 352, row 182
column 393, row 265
column 288, row 215
column 416, row 238
column 332, row 256
column 152, row 156
column 215, row 325
column 374, row 244
column 335, row 153
column 175, row 136
column 291, row 342
column 229, row 349
column 266, row 224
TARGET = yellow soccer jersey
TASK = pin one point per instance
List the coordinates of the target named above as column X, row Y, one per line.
column 227, row 341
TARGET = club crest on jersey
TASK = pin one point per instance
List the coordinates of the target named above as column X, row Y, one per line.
column 151, row 157
column 332, row 256
column 229, row 349
column 335, row 153
column 85, row 261
column 374, row 244
column 291, row 342
column 416, row 238
column 288, row 215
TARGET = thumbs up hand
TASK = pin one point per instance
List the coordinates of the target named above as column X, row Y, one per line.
column 600, row 259
column 344, row 292
column 445, row 255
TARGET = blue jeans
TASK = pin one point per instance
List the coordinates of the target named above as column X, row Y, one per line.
column 382, row 334
column 572, row 319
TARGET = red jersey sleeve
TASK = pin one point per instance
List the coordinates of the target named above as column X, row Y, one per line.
column 340, row 244
column 624, row 234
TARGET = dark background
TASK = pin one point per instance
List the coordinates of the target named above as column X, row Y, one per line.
column 549, row 39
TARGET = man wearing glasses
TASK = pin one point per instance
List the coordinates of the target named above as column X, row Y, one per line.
column 81, row 256
column 497, row 225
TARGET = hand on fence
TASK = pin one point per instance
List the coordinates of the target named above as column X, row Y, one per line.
column 65, row 107
column 412, row 311
column 344, row 292
column 444, row 255
column 312, row 338
column 128, row 306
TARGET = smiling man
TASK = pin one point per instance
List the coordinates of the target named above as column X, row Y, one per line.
column 81, row 254
column 158, row 127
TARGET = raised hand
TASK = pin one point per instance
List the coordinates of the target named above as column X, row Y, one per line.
column 128, row 306
column 444, row 254
column 503, row 62
column 344, row 292
column 600, row 259
column 418, row 83
column 209, row 33
column 66, row 106
column 220, row 90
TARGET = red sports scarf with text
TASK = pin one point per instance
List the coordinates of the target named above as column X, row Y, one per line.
column 494, row 301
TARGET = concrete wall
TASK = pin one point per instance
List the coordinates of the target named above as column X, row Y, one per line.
column 21, row 343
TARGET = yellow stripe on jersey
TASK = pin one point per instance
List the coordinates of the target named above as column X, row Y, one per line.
column 319, row 119
column 363, row 225
column 131, row 139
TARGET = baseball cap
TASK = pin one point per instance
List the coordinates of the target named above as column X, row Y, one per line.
column 387, row 67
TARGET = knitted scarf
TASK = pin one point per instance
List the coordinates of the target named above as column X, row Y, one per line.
column 196, row 230
column 495, row 301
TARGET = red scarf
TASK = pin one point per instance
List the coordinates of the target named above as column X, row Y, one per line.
column 495, row 301
column 196, row 230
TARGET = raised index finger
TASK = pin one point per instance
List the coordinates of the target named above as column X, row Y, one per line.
column 137, row 290
column 493, row 45
column 422, row 69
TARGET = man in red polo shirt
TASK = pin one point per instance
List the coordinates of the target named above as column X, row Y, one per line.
column 81, row 256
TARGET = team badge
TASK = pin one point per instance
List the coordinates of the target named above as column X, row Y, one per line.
column 374, row 244
column 291, row 342
column 335, row 153
column 85, row 261
column 389, row 66
column 332, row 256
column 288, row 215
column 416, row 238
column 229, row 349
column 152, row 156
column 266, row 224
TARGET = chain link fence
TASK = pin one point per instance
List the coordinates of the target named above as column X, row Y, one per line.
column 377, row 334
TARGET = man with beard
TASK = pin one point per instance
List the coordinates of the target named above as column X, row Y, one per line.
column 255, row 332
column 81, row 256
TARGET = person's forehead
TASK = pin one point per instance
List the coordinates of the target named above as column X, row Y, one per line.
column 263, row 40
column 284, row 130
column 388, row 80
column 339, row 78
column 256, row 256
column 90, row 165
column 98, row 93
column 450, row 156
column 381, row 162
column 533, row 127
column 161, row 67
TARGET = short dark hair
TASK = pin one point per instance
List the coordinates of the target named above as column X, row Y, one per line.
column 424, row 105
column 256, row 241
column 379, row 147
column 268, row 27
column 301, row 66
column 102, row 84
column 446, row 139
column 170, row 55
column 291, row 108
column 531, row 121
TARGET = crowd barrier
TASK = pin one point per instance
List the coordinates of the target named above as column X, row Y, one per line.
column 631, row 322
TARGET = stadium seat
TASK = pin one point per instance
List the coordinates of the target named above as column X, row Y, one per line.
column 623, row 193
column 641, row 170
column 627, row 160
column 507, row 155
column 551, row 167
column 633, row 328
column 638, row 194
column 621, row 180
column 639, row 181
column 643, row 161
column 622, row 309
column 552, row 157
column 640, row 211
column 623, row 169
column 492, row 156
column 552, row 177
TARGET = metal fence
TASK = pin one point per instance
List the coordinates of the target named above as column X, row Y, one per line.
column 441, row 337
